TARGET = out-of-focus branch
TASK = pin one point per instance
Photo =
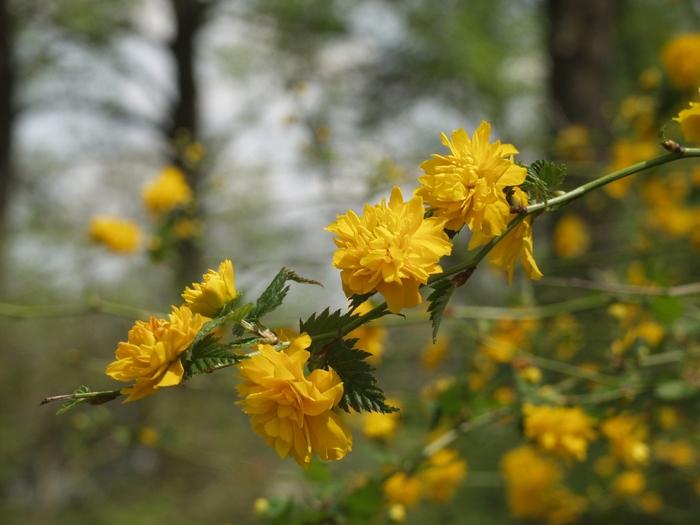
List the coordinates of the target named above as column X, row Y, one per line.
column 92, row 305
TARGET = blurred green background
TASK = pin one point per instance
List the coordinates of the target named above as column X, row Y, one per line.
column 304, row 108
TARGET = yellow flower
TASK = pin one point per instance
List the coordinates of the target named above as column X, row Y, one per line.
column 651, row 502
column 186, row 228
column 574, row 143
column 122, row 236
column 681, row 58
column 434, row 353
column 627, row 435
column 506, row 338
column 151, row 355
column 517, row 244
column 402, row 489
column 380, row 426
column 148, row 436
column 370, row 336
column 466, row 186
column 169, row 190
column 629, row 483
column 625, row 153
column 534, row 489
column 443, row 473
column 391, row 249
column 563, row 431
column 571, row 237
column 689, row 119
column 668, row 417
column 397, row 513
column 291, row 411
column 678, row 453
column 217, row 288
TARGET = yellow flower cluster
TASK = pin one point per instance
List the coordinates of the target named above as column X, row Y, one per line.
column 290, row 410
column 150, row 358
column 437, row 480
column 534, row 488
column 151, row 355
column 681, row 59
column 217, row 289
column 381, row 426
column 689, row 119
column 391, row 249
column 563, row 431
column 571, row 237
column 168, row 191
column 636, row 325
column 122, row 236
column 627, row 435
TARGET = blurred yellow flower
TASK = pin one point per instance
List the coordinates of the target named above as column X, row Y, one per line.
column 443, row 473
column 572, row 237
column 681, row 59
column 167, row 191
column 689, row 119
column 573, row 143
column 380, row 426
column 629, row 483
column 534, row 489
column 148, row 436
column 434, row 354
column 466, row 186
column 516, row 245
column 218, row 287
column 403, row 489
column 506, row 338
column 391, row 249
column 678, row 453
column 625, row 153
column 560, row 430
column 120, row 235
column 504, row 395
column 186, row 228
column 397, row 513
column 193, row 153
column 650, row 78
column 291, row 411
column 370, row 336
column 151, row 355
column 627, row 435
column 668, row 417
column 651, row 502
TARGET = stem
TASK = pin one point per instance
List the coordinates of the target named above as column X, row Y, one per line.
column 579, row 192
column 571, row 370
column 93, row 304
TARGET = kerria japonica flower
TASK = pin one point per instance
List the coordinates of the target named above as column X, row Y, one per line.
column 466, row 186
column 151, row 356
column 218, row 287
column 290, row 410
column 391, row 249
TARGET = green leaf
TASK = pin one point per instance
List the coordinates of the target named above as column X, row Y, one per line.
column 364, row 503
column 543, row 178
column 71, row 404
column 205, row 334
column 324, row 323
column 275, row 293
column 674, row 390
column 437, row 302
column 360, row 390
column 210, row 356
column 666, row 309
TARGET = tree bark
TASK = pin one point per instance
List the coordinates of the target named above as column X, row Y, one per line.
column 579, row 41
column 183, row 119
column 7, row 111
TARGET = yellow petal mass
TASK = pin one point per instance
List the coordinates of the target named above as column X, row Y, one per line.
column 218, row 287
column 290, row 410
column 151, row 355
column 391, row 249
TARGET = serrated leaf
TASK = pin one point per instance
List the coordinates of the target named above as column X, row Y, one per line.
column 437, row 302
column 543, row 178
column 357, row 300
column 205, row 334
column 324, row 323
column 360, row 390
column 275, row 293
column 71, row 404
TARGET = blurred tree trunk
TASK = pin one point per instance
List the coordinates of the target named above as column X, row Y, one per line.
column 7, row 113
column 183, row 120
column 579, row 41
